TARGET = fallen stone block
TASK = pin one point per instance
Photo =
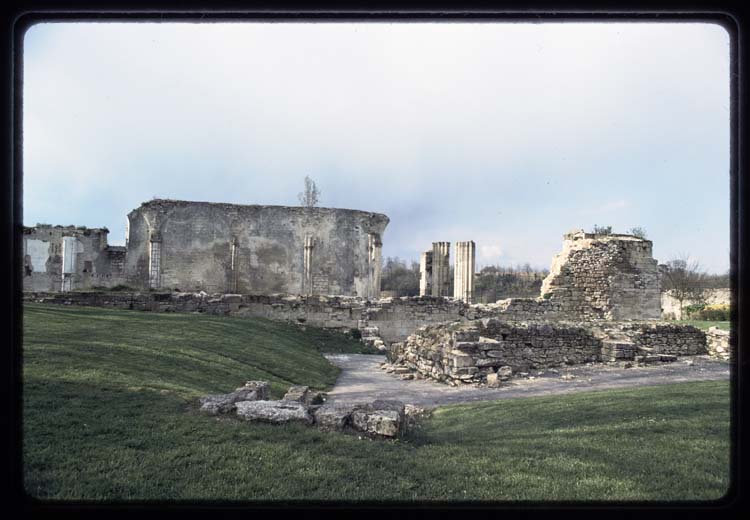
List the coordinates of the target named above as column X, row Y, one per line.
column 225, row 403
column 333, row 417
column 493, row 380
column 297, row 393
column 379, row 418
column 261, row 386
column 275, row 412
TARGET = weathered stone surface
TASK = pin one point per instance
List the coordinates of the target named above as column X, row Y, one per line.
column 379, row 418
column 334, row 417
column 493, row 380
column 274, row 411
column 225, row 403
column 297, row 393
column 261, row 387
column 718, row 344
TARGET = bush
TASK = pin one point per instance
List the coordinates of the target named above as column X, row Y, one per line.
column 718, row 312
column 694, row 309
column 547, row 296
column 120, row 287
column 355, row 333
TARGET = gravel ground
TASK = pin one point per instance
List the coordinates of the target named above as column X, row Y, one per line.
column 361, row 380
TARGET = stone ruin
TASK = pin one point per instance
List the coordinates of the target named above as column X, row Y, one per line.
column 251, row 402
column 214, row 247
column 600, row 301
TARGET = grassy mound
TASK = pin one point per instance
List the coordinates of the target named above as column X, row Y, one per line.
column 107, row 417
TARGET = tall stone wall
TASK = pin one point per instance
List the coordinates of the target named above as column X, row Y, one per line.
column 68, row 257
column 604, row 277
column 260, row 249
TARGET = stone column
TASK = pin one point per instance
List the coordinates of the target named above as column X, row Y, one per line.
column 463, row 276
column 375, row 248
column 425, row 274
column 440, row 268
column 307, row 285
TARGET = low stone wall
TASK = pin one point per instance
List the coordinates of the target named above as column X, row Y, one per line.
column 394, row 318
column 468, row 352
column 718, row 344
column 660, row 338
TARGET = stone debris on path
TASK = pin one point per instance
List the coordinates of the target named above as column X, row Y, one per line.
column 373, row 377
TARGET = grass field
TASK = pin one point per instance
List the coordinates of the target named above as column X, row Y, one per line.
column 109, row 414
column 705, row 325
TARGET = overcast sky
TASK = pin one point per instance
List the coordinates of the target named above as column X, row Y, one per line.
column 506, row 134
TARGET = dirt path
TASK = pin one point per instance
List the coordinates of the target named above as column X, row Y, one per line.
column 362, row 380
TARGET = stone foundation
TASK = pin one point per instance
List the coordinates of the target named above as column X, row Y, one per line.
column 470, row 352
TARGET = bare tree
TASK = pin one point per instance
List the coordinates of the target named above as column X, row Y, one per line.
column 309, row 198
column 685, row 280
column 637, row 232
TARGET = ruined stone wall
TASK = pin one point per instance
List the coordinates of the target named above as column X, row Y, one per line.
column 213, row 247
column 395, row 319
column 718, row 343
column 468, row 352
column 79, row 253
column 660, row 338
column 604, row 277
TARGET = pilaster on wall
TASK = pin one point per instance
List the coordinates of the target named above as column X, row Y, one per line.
column 154, row 263
column 234, row 248
column 374, row 248
column 425, row 274
column 463, row 278
column 307, row 282
column 440, row 268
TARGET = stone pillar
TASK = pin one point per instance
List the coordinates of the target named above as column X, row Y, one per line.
column 440, row 268
column 307, row 284
column 463, row 276
column 425, row 274
column 374, row 248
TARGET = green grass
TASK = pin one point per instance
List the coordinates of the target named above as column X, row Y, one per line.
column 109, row 414
column 705, row 325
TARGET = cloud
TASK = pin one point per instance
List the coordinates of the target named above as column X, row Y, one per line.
column 491, row 132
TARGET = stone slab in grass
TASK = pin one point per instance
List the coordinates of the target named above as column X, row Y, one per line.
column 274, row 411
column 225, row 403
column 334, row 417
column 382, row 418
